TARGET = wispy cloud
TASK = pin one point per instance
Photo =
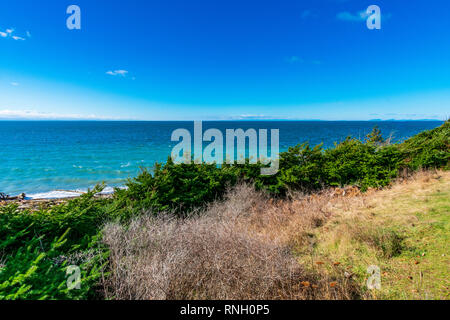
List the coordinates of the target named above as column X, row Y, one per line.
column 122, row 73
column 347, row 16
column 260, row 117
column 409, row 116
column 251, row 117
column 8, row 33
column 37, row 115
column 15, row 84
column 359, row 16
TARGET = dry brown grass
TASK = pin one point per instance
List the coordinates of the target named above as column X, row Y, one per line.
column 240, row 248
column 250, row 246
column 355, row 216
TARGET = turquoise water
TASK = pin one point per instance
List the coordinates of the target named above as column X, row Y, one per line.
column 42, row 156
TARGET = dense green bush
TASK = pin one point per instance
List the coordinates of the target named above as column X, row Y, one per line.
column 82, row 215
column 175, row 187
column 36, row 248
column 36, row 271
column 372, row 163
column 301, row 168
column 428, row 149
column 363, row 164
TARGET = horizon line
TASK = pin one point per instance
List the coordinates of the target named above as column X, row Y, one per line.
column 216, row 120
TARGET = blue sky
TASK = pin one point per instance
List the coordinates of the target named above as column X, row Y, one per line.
column 234, row 59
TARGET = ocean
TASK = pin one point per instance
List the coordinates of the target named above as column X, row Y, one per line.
column 41, row 157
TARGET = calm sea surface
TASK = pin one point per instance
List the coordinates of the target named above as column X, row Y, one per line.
column 42, row 156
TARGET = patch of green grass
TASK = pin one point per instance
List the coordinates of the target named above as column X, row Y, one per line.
column 406, row 234
column 428, row 259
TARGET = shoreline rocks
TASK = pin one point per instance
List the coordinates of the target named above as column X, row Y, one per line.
column 5, row 197
column 37, row 204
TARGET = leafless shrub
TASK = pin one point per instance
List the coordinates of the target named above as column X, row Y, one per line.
column 239, row 248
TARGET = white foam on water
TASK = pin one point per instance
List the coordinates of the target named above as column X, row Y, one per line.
column 62, row 194
column 53, row 195
column 107, row 190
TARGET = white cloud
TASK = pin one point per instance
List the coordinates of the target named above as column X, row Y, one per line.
column 347, row 16
column 9, row 34
column 252, row 117
column 37, row 115
column 359, row 16
column 15, row 84
column 122, row 73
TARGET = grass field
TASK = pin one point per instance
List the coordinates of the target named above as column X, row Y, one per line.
column 405, row 230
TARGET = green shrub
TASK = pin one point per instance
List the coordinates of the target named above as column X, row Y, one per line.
column 428, row 149
column 38, row 273
column 182, row 187
column 36, row 247
column 175, row 187
column 364, row 164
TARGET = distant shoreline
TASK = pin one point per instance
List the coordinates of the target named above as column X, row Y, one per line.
column 221, row 120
